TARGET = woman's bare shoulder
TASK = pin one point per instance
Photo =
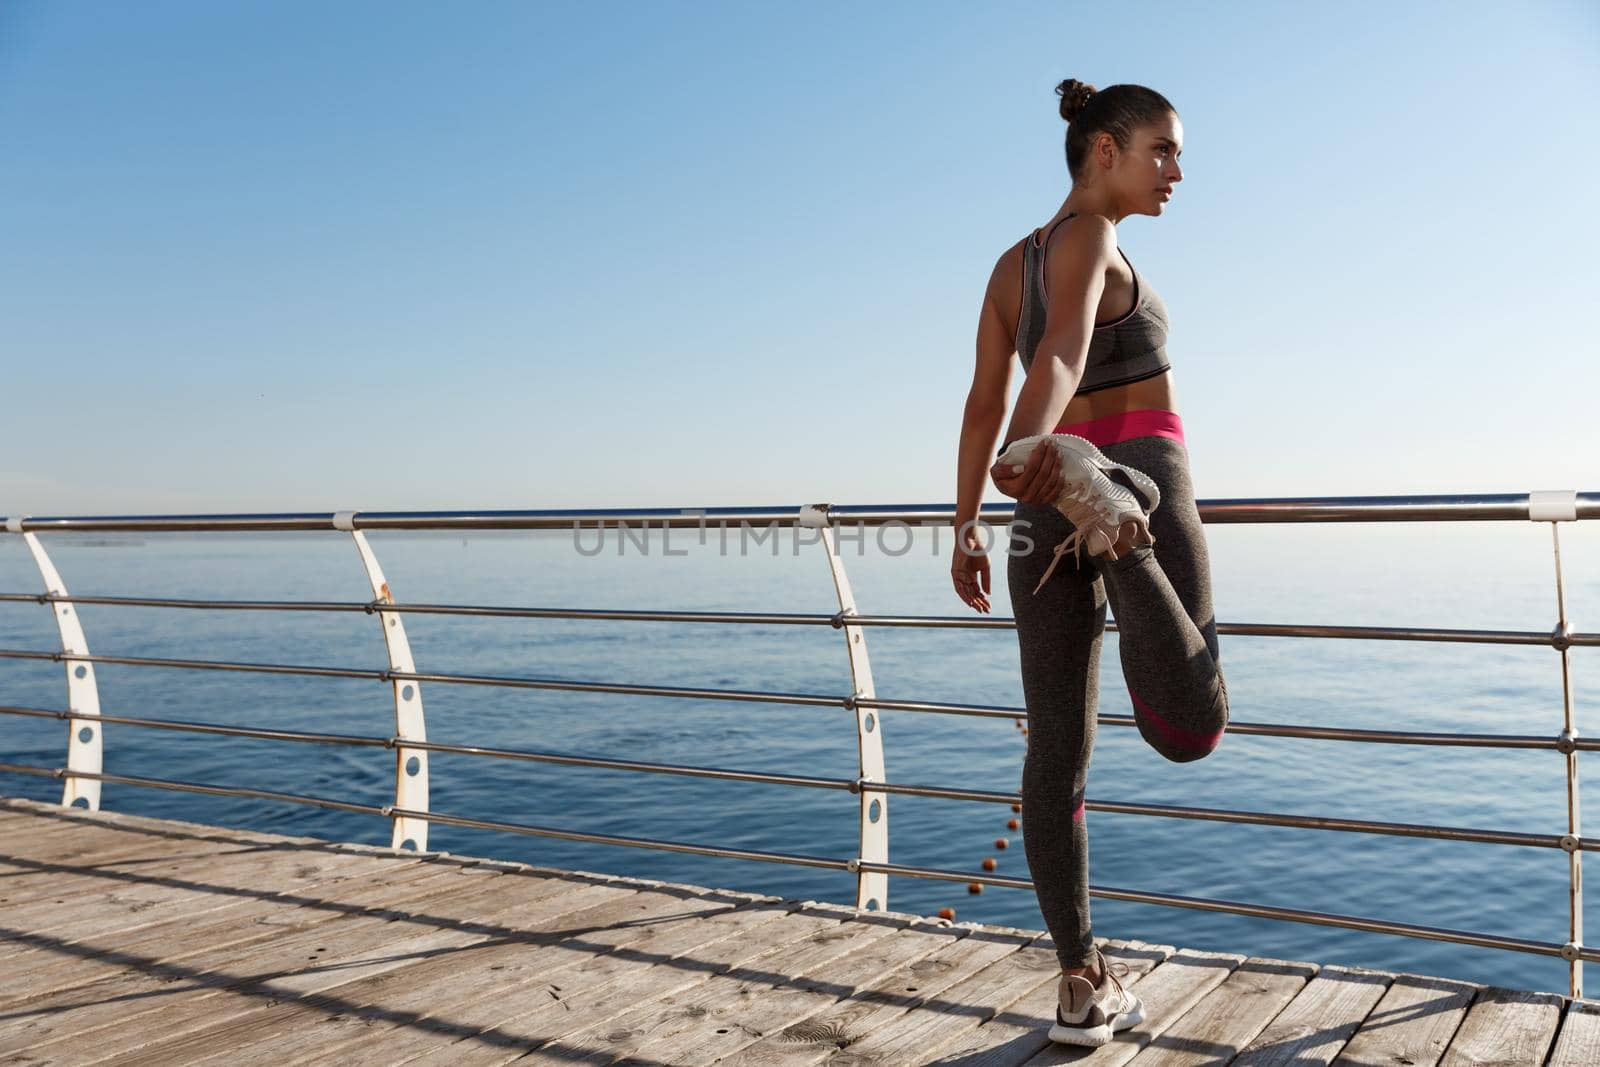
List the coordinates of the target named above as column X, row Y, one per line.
column 1085, row 234
column 1007, row 274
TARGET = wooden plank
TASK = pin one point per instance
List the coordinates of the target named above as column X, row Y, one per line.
column 44, row 833
column 1020, row 1031
column 90, row 948
column 23, row 886
column 173, row 936
column 1505, row 1026
column 29, row 869
column 1169, row 991
column 726, row 1014
column 1578, row 1044
column 79, row 849
column 57, row 813
column 1228, row 1017
column 295, row 1031
column 191, row 880
column 946, row 1018
column 539, row 1023
column 11, row 816
column 1412, row 1024
column 219, row 984
column 655, row 1015
column 211, row 1030
column 134, row 982
column 512, row 981
column 1317, row 1024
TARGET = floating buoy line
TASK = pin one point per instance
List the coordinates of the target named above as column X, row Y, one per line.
column 1013, row 824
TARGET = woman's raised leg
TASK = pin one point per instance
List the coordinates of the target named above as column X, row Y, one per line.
column 1166, row 627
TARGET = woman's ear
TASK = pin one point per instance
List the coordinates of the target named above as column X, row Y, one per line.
column 1105, row 149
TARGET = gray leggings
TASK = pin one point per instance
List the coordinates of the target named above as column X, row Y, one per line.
column 1167, row 633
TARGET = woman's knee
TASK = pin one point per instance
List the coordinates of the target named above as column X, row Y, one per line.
column 1179, row 743
column 1187, row 755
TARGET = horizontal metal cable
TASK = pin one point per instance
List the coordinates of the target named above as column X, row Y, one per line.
column 1401, row 508
column 1246, row 629
column 170, row 602
column 194, row 787
column 1549, row 638
column 196, row 664
column 1259, row 911
column 754, row 696
column 849, row 785
column 372, row 607
column 390, row 811
column 1319, row 733
column 1324, row 733
column 630, row 842
column 206, row 727
column 1254, row 818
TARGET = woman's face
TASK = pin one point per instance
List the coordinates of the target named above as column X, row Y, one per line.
column 1148, row 171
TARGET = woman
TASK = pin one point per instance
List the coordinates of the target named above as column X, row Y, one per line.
column 1090, row 332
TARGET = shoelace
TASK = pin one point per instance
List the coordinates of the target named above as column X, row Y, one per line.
column 1073, row 541
column 1081, row 532
column 1109, row 969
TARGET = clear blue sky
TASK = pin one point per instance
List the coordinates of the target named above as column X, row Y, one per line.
column 393, row 255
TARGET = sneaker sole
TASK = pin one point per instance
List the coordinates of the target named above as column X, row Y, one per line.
column 1095, row 1036
column 1092, row 462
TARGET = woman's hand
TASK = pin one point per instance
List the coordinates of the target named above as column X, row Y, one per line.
column 969, row 569
column 1040, row 483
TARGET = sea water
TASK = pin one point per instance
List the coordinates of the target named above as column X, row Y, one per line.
column 1456, row 575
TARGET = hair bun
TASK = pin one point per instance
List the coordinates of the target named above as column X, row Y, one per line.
column 1074, row 96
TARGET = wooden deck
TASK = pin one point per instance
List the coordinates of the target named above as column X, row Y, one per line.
column 143, row 941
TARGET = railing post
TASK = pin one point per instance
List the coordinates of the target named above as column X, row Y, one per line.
column 84, row 746
column 410, row 764
column 1556, row 507
column 872, row 888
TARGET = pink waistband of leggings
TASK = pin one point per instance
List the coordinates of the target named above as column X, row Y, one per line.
column 1109, row 429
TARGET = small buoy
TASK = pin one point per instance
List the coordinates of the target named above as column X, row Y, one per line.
column 947, row 913
column 988, row 863
column 1019, row 723
column 1024, row 731
column 974, row 887
column 1012, row 824
column 1001, row 842
column 1016, row 807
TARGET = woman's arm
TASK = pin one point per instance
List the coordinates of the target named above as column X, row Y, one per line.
column 986, row 406
column 1075, row 278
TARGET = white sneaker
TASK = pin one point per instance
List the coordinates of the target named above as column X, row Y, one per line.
column 1099, row 497
column 1091, row 1014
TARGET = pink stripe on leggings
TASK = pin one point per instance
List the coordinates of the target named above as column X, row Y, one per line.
column 1109, row 429
column 1180, row 738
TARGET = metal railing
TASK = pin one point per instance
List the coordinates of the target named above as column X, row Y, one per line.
column 411, row 815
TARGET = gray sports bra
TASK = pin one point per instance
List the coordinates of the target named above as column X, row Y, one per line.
column 1128, row 349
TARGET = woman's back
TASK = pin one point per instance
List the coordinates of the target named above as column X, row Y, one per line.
column 1126, row 368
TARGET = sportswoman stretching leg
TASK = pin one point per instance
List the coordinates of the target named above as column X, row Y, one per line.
column 1090, row 332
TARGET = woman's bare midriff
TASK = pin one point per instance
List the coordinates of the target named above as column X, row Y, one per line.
column 1157, row 392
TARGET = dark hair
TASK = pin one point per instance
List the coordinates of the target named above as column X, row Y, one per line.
column 1116, row 109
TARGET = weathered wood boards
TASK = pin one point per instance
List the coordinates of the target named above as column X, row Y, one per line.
column 142, row 942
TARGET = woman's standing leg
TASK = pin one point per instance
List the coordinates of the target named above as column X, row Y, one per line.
column 1058, row 636
column 1161, row 598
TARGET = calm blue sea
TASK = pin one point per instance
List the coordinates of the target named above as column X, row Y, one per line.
column 1451, row 575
